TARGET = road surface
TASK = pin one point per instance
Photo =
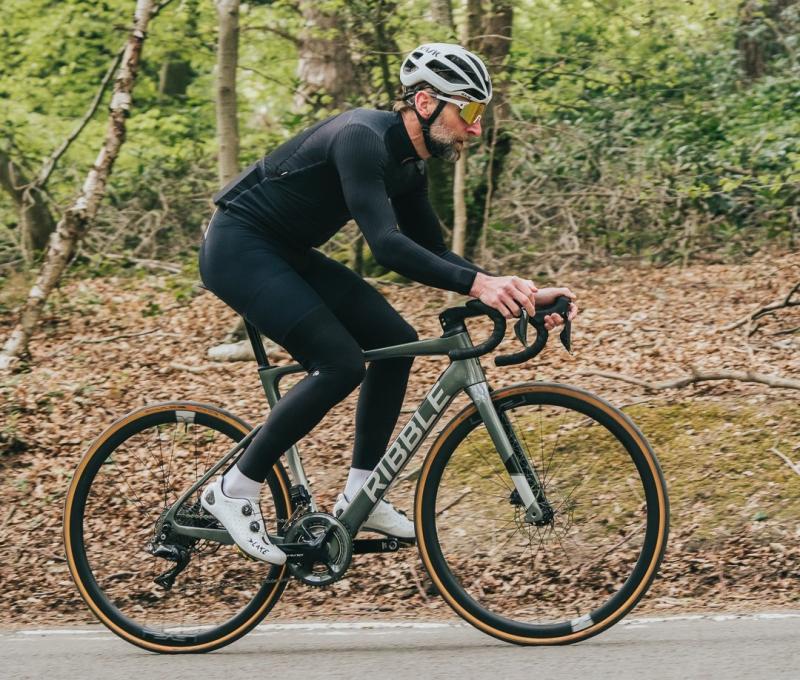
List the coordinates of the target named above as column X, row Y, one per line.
column 761, row 647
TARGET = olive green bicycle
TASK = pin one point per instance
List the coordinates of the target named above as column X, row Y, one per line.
column 541, row 512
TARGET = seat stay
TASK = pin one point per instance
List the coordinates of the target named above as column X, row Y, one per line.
column 219, row 535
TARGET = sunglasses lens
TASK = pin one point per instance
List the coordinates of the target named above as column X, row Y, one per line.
column 472, row 112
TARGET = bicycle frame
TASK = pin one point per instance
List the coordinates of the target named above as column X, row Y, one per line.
column 467, row 375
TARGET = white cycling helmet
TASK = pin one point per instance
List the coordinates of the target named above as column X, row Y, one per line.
column 450, row 69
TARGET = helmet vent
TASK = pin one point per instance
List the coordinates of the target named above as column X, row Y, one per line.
column 481, row 70
column 475, row 94
column 467, row 68
column 445, row 71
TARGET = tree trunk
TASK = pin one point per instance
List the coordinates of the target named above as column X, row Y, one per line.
column 469, row 30
column 326, row 71
column 495, row 47
column 460, row 204
column 227, row 57
column 442, row 12
column 35, row 221
column 760, row 36
column 175, row 76
column 386, row 44
column 79, row 215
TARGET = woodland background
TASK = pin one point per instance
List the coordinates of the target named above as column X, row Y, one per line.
column 645, row 153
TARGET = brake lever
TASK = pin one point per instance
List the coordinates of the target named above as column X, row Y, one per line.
column 521, row 328
column 560, row 307
column 566, row 333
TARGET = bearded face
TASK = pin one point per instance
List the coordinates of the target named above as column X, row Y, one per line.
column 448, row 144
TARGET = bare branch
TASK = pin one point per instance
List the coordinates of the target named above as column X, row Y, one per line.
column 157, row 9
column 698, row 376
column 112, row 338
column 152, row 265
column 767, row 309
column 203, row 368
column 277, row 31
column 49, row 165
column 792, row 466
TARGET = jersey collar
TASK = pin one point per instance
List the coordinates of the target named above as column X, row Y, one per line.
column 400, row 144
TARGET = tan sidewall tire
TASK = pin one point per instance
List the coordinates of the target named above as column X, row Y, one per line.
column 115, row 427
column 663, row 512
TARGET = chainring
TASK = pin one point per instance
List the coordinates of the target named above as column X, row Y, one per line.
column 328, row 563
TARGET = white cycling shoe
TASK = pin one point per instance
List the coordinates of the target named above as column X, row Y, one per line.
column 385, row 519
column 242, row 518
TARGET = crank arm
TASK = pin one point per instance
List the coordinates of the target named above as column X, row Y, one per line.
column 380, row 545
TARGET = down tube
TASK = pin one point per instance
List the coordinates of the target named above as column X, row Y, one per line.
column 459, row 374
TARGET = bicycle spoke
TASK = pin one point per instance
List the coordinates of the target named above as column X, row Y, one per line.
column 560, row 570
column 152, row 467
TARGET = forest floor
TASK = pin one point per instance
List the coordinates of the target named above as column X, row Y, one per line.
column 111, row 344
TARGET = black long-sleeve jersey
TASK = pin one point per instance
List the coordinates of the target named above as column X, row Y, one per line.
column 358, row 165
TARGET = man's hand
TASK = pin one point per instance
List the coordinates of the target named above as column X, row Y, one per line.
column 506, row 294
column 546, row 296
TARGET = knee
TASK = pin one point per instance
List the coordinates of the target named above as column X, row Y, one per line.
column 351, row 371
column 407, row 333
column 343, row 374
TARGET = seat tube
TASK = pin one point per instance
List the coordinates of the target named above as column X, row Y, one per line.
column 481, row 397
column 297, row 474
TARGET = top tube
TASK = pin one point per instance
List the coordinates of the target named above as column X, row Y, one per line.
column 429, row 347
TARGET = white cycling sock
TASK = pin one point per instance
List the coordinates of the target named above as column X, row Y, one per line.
column 355, row 480
column 235, row 484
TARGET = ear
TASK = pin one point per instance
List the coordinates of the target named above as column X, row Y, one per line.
column 424, row 103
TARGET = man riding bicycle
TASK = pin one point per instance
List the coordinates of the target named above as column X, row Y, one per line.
column 259, row 256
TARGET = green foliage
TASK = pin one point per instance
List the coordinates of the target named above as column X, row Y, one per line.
column 638, row 134
column 634, row 131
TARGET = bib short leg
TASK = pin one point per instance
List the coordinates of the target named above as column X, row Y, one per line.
column 324, row 315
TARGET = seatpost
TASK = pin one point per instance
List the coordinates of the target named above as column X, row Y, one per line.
column 258, row 345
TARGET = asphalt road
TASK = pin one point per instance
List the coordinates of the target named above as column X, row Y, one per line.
column 762, row 647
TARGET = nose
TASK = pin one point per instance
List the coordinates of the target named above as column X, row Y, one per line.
column 475, row 129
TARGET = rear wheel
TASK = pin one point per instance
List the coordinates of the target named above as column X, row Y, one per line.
column 133, row 472
column 573, row 576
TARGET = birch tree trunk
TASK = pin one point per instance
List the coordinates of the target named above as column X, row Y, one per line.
column 227, row 58
column 460, row 204
column 35, row 221
column 79, row 215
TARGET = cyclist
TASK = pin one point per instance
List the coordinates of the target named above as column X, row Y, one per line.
column 258, row 255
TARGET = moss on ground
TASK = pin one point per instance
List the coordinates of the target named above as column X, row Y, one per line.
column 722, row 471
column 718, row 457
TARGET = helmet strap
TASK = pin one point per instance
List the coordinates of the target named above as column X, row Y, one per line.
column 434, row 148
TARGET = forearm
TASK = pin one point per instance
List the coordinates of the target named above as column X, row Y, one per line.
column 402, row 255
column 450, row 256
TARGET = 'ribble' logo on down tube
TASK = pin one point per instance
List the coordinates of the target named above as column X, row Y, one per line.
column 406, row 443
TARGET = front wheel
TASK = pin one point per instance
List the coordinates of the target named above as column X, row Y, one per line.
column 582, row 571
column 132, row 473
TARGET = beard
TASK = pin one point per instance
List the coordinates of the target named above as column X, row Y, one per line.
column 445, row 143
